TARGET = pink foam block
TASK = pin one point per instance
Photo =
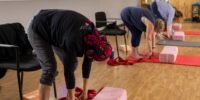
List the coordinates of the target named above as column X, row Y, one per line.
column 178, row 35
column 110, row 93
column 177, row 26
column 168, row 54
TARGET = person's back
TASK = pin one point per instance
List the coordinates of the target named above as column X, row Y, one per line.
column 61, row 28
column 165, row 9
column 136, row 14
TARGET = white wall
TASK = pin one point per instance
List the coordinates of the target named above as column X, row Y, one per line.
column 114, row 7
column 23, row 11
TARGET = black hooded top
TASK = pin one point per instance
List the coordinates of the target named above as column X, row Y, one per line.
column 61, row 28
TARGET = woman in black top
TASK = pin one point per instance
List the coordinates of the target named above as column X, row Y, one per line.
column 61, row 29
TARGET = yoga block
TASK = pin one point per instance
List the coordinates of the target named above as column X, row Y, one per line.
column 178, row 35
column 176, row 26
column 34, row 95
column 110, row 93
column 168, row 54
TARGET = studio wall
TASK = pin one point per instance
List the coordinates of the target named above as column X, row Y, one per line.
column 23, row 10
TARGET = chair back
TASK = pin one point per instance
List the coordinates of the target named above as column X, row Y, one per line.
column 2, row 72
column 13, row 34
column 100, row 18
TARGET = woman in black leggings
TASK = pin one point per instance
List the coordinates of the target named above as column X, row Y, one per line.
column 61, row 29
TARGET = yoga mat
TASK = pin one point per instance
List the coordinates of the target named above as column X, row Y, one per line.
column 181, row 60
column 178, row 43
column 192, row 32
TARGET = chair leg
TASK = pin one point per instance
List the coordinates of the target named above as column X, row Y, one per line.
column 19, row 85
column 127, row 33
column 54, row 88
column 117, row 45
column 22, row 79
column 125, row 43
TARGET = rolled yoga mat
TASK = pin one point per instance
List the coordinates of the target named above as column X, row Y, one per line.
column 178, row 43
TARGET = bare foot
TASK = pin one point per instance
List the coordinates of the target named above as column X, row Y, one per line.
column 82, row 97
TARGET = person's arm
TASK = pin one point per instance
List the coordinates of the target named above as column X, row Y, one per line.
column 154, row 42
column 70, row 62
column 150, row 33
column 86, row 67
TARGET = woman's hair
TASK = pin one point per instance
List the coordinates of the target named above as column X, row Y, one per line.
column 178, row 14
column 159, row 25
column 146, row 6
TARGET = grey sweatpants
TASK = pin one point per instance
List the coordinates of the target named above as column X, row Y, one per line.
column 45, row 56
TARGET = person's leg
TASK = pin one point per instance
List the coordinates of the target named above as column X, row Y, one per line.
column 135, row 41
column 44, row 92
column 47, row 61
column 136, row 34
column 69, row 62
column 85, row 89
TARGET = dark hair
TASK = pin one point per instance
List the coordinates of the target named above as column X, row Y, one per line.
column 178, row 13
column 146, row 6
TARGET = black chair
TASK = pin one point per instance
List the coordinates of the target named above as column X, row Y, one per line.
column 110, row 27
column 16, row 53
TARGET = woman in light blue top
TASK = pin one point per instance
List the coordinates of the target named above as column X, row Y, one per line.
column 165, row 11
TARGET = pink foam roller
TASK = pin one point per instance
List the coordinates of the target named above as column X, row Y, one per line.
column 176, row 26
column 110, row 93
column 178, row 35
column 168, row 54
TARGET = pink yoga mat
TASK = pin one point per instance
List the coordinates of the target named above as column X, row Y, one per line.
column 181, row 60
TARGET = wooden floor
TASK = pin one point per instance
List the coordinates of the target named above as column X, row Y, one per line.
column 143, row 81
